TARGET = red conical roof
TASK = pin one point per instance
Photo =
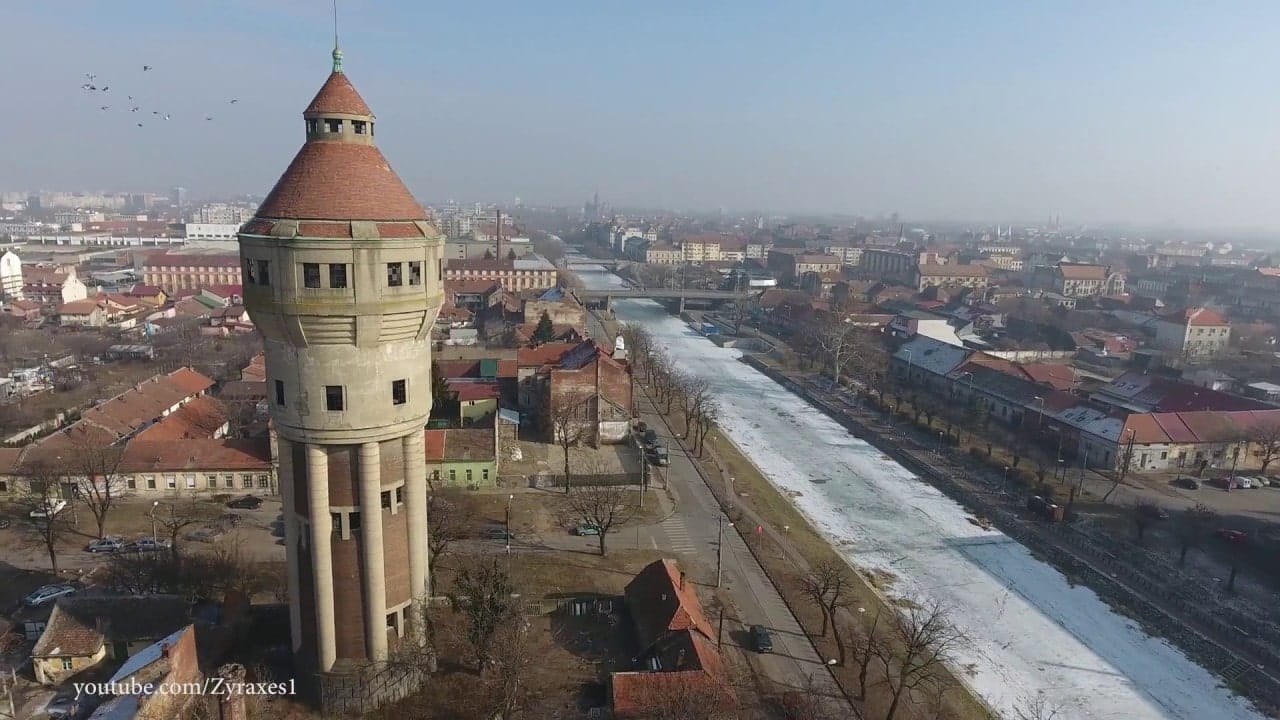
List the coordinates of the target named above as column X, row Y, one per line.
column 340, row 181
column 338, row 95
column 337, row 179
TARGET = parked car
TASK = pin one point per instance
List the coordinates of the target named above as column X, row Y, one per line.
column 587, row 529
column 1245, row 483
column 1187, row 483
column 205, row 535
column 1155, row 512
column 248, row 502
column 52, row 508
column 1273, row 482
column 149, row 544
column 761, row 639
column 1231, row 536
column 105, row 545
column 1220, row 482
column 47, row 594
column 62, row 706
column 500, row 534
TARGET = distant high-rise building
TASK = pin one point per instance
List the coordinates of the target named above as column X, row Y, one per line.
column 518, row 203
column 178, row 197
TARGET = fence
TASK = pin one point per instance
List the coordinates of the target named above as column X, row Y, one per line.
column 586, row 480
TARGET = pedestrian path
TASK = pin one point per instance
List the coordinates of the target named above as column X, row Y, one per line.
column 678, row 536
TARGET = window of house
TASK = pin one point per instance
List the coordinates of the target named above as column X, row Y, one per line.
column 250, row 276
column 191, row 482
column 399, row 392
column 67, row 664
column 386, row 499
column 280, row 393
column 440, row 270
column 228, row 480
column 333, row 398
column 313, row 127
column 435, row 474
column 131, row 483
column 395, row 274
column 484, row 474
column 337, row 522
column 337, row 275
column 1164, row 455
column 246, row 481
column 453, row 476
column 264, row 272
column 415, row 273
column 211, row 481
column 333, row 126
column 264, row 482
column 311, row 275
column 353, row 520
column 171, row 482
column 468, row 474
column 400, row 495
column 358, row 126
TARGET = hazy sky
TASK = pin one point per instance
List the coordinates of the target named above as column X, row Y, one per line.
column 1151, row 112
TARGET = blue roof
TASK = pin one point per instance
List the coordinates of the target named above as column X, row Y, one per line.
column 507, row 415
column 555, row 294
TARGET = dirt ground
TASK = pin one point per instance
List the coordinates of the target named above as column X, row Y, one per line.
column 544, row 457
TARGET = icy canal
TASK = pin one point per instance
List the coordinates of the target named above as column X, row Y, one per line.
column 1032, row 632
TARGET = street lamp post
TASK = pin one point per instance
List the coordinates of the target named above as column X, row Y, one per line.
column 1040, row 422
column 508, row 533
column 720, row 550
column 940, row 434
column 908, row 352
column 1004, row 485
column 154, row 504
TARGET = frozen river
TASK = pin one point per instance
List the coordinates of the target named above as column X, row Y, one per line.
column 1032, row 632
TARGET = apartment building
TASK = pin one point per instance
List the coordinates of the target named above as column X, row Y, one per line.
column 1194, row 333
column 531, row 273
column 190, row 271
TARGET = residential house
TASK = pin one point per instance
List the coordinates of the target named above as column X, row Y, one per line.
column 133, row 410
column 950, row 276
column 889, row 264
column 472, row 294
column 701, row 248
column 52, row 285
column 1086, row 280
column 531, row 273
column 678, row 654
column 174, row 271
column 10, row 276
column 28, row 311
column 821, row 285
column 476, row 399
column 192, row 466
column 462, row 458
column 560, row 305
column 149, row 294
column 83, row 631
column 663, row 255
column 585, row 380
column 1194, row 333
column 790, row 264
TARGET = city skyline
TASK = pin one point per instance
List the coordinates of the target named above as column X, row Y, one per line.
column 1144, row 115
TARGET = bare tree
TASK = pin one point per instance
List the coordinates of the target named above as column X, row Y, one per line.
column 1191, row 527
column 835, row 340
column 1037, row 708
column 708, row 414
column 98, row 481
column 1144, row 511
column 639, row 345
column 447, row 521
column 42, row 501
column 180, row 515
column 685, row 695
column 739, row 311
column 1266, row 435
column 570, row 421
column 814, row 701
column 864, row 652
column 828, row 587
column 918, row 645
column 483, row 592
column 604, row 507
column 694, row 393
column 1126, row 462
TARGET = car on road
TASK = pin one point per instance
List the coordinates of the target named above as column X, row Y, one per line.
column 761, row 639
column 105, row 545
column 1246, row 483
column 1155, row 512
column 149, row 544
column 47, row 594
column 1232, row 536
column 1186, row 483
column 205, row 535
column 500, row 534
column 248, row 502
column 49, row 509
column 584, row 529
column 62, row 706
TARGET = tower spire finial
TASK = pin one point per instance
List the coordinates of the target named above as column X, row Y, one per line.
column 337, row 51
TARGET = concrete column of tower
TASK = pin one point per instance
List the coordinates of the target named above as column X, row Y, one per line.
column 288, row 514
column 375, row 584
column 415, row 503
column 321, row 554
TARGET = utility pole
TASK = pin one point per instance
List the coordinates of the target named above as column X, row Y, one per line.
column 720, row 550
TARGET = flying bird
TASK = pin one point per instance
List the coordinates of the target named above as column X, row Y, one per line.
column 166, row 117
column 146, row 68
column 135, row 108
column 233, row 102
column 105, row 88
column 106, row 107
column 130, row 97
column 139, row 124
column 209, row 118
column 90, row 76
column 155, row 112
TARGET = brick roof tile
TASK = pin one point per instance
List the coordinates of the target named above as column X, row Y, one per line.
column 340, row 181
column 338, row 95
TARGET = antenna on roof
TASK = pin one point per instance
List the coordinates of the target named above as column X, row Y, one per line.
column 337, row 53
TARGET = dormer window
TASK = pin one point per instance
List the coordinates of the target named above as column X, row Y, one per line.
column 358, row 126
column 313, row 127
column 333, row 126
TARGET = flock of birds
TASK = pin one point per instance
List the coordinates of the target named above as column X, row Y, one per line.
column 91, row 86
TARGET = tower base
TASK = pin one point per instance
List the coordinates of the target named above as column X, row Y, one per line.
column 356, row 690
